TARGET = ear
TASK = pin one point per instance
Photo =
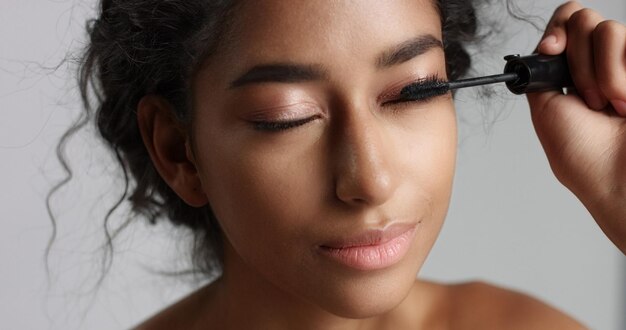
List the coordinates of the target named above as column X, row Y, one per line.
column 167, row 143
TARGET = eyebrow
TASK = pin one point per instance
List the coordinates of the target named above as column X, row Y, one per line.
column 296, row 73
column 280, row 72
column 408, row 50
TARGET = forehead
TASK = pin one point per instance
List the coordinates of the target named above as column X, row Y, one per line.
column 305, row 30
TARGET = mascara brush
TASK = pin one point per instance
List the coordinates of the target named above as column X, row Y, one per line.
column 527, row 74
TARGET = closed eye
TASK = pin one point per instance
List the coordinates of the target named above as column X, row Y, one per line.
column 420, row 91
column 283, row 125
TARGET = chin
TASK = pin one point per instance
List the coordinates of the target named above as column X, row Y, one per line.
column 368, row 297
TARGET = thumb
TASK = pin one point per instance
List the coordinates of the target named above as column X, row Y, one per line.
column 553, row 42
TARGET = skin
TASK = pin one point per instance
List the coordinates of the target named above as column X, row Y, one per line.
column 358, row 164
column 582, row 133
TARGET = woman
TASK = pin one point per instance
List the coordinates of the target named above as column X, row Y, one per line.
column 275, row 130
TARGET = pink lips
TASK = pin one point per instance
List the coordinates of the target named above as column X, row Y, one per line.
column 374, row 249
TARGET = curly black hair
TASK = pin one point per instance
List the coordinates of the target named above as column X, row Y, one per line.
column 141, row 47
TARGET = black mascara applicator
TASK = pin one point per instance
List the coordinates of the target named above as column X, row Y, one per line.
column 527, row 74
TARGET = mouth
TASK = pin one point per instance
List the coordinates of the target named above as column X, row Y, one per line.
column 372, row 249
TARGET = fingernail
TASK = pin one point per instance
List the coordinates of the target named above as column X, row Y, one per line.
column 593, row 99
column 620, row 107
column 549, row 40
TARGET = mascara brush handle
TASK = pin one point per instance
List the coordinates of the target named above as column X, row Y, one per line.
column 538, row 73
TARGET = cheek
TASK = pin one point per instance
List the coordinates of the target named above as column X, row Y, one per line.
column 428, row 168
column 429, row 151
column 263, row 196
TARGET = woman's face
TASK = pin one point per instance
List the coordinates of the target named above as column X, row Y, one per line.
column 325, row 188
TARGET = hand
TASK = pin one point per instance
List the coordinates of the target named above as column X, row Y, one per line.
column 584, row 132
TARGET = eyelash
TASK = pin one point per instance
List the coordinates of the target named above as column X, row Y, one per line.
column 278, row 126
column 433, row 80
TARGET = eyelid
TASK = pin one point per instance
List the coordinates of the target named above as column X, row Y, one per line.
column 393, row 93
column 284, row 113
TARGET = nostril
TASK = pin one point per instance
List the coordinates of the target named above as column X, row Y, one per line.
column 364, row 188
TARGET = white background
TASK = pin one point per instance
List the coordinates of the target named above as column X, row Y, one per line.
column 510, row 223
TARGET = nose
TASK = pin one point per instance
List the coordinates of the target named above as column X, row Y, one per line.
column 364, row 173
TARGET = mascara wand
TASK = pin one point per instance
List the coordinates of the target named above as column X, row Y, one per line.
column 471, row 82
column 527, row 74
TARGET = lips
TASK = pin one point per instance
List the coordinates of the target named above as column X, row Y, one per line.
column 372, row 249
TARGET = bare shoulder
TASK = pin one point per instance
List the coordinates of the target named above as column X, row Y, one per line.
column 180, row 315
column 479, row 305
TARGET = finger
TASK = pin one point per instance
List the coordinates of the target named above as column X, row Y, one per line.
column 554, row 42
column 609, row 39
column 554, row 39
column 580, row 56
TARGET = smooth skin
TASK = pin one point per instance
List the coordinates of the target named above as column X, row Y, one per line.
column 359, row 163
